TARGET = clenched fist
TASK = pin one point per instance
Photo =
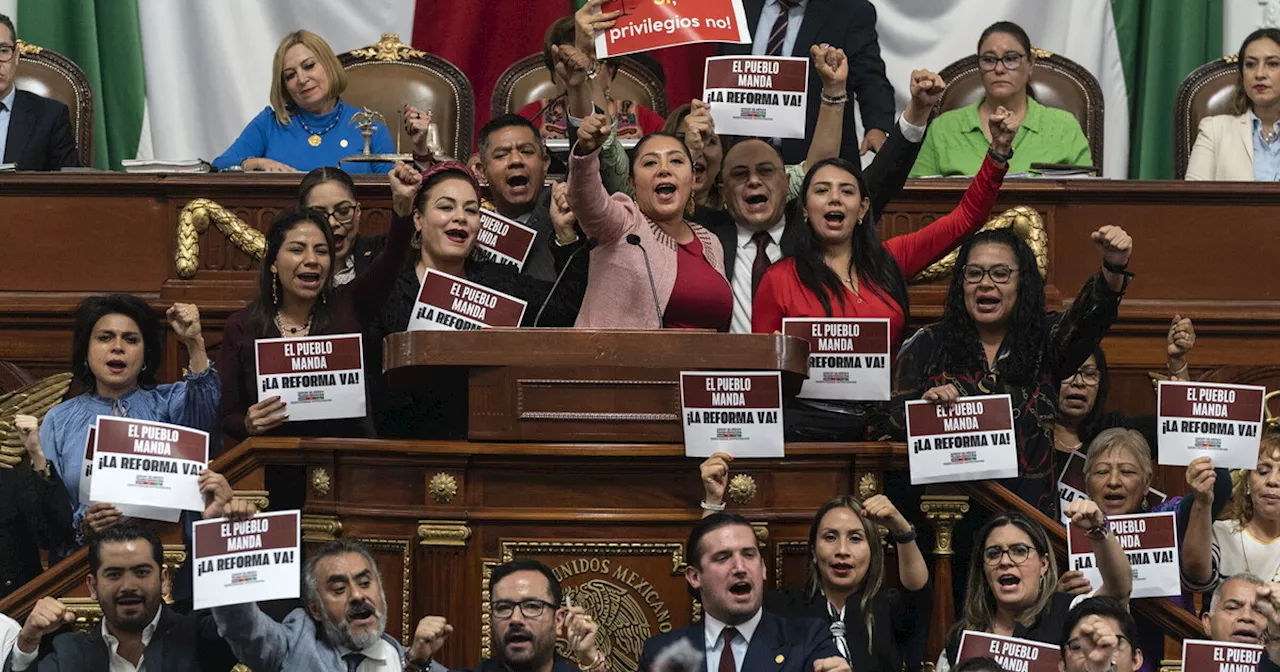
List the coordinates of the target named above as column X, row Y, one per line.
column 592, row 133
column 47, row 617
column 715, row 477
column 429, row 637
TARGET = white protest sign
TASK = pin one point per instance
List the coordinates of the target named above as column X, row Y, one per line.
column 1221, row 421
column 447, row 302
column 318, row 377
column 150, row 464
column 764, row 96
column 503, row 240
column 969, row 440
column 1203, row 655
column 1011, row 653
column 1150, row 540
column 848, row 357
column 127, row 510
column 244, row 561
column 735, row 412
column 1072, row 485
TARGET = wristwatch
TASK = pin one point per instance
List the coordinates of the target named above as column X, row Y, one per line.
column 998, row 157
column 417, row 665
column 907, row 537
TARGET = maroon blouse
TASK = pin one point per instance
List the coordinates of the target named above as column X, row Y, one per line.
column 701, row 298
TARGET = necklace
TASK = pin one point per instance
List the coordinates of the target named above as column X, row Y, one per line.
column 1070, row 448
column 315, row 138
column 293, row 331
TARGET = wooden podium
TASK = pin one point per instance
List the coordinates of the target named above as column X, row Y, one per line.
column 572, row 385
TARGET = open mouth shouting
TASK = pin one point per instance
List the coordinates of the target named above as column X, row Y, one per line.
column 841, row 570
column 1113, row 501
column 130, row 605
column 518, row 639
column 457, row 235
column 518, row 185
column 1008, row 583
column 987, row 303
column 741, row 591
column 834, row 219
column 1246, row 633
column 757, row 203
column 117, row 367
column 339, row 241
column 665, row 191
column 362, row 614
column 1075, row 400
column 309, row 281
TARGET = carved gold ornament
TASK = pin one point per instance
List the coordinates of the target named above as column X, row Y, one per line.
column 320, row 528
column 195, row 219
column 761, row 531
column 1273, row 421
column 35, row 399
column 1025, row 221
column 87, row 611
column 944, row 511
column 624, row 627
column 443, row 487
column 742, row 489
column 443, row 533
column 174, row 557
column 868, row 486
column 28, row 49
column 320, row 481
column 260, row 499
column 389, row 48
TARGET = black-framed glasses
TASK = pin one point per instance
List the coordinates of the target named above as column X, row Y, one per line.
column 532, row 608
column 1089, row 376
column 1018, row 553
column 999, row 274
column 343, row 214
column 1075, row 646
column 6, row 53
column 1011, row 61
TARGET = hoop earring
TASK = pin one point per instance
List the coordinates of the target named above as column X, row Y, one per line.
column 416, row 241
column 275, row 289
column 144, row 367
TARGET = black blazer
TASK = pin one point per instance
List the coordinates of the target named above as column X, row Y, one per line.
column 35, row 513
column 901, row 624
column 40, row 135
column 885, row 177
column 849, row 25
column 181, row 643
column 778, row 645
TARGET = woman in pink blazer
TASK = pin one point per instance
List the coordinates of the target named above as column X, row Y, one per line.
column 1245, row 146
column 650, row 267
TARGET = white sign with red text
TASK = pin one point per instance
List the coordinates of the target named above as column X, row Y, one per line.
column 244, row 561
column 317, row 377
column 969, row 440
column 146, row 463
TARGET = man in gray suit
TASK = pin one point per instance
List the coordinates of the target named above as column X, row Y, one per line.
column 342, row 625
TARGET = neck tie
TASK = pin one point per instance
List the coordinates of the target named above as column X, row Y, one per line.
column 837, row 632
column 779, row 33
column 761, row 264
column 353, row 660
column 727, row 663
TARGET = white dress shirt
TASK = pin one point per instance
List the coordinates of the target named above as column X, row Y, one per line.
column 715, row 643
column 381, row 657
column 6, row 115
column 741, row 281
column 21, row 660
column 768, row 15
column 9, row 629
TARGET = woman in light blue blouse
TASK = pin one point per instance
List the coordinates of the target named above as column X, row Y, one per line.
column 116, row 353
column 307, row 124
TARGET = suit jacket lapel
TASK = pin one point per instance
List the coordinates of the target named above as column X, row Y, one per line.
column 766, row 646
column 815, row 14
column 753, row 9
column 1245, row 135
column 22, row 123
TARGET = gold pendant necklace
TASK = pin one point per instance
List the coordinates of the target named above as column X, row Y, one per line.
column 314, row 140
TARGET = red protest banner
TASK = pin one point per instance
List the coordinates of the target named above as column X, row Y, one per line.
column 654, row 24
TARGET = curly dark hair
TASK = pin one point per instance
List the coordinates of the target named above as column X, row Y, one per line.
column 262, row 311
column 962, row 352
column 877, row 269
column 95, row 308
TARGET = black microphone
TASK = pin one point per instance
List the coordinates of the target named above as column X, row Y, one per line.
column 591, row 244
column 633, row 239
column 680, row 656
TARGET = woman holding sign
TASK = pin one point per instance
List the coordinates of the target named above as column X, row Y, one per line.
column 446, row 214
column 296, row 299
column 116, row 353
column 877, row 627
column 1249, row 539
column 1013, row 571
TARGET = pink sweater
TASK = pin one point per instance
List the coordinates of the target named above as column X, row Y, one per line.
column 618, row 295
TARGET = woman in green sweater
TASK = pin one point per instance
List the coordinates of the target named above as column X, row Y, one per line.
column 958, row 141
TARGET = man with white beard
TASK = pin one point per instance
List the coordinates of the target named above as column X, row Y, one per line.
column 342, row 626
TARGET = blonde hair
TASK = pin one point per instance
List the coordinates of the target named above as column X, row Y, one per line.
column 1120, row 437
column 1240, row 507
column 281, row 101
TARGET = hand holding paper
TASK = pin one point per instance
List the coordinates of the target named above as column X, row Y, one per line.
column 404, row 188
column 217, row 493
column 699, row 127
column 943, row 394
column 1073, row 582
column 1201, row 478
column 101, row 516
column 590, row 22
column 429, row 637
column 265, row 416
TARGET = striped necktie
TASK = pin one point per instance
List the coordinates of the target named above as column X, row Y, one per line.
column 779, row 33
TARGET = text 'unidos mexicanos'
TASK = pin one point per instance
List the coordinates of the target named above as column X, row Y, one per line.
column 308, row 355
column 728, row 391
column 152, row 440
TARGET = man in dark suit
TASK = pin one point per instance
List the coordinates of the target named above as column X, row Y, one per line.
column 126, row 573
column 790, row 27
column 758, row 219
column 35, row 132
column 727, row 574
column 34, row 512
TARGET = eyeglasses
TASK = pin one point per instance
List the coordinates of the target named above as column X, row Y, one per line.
column 6, row 53
column 532, row 608
column 343, row 214
column 1010, row 60
column 1076, row 646
column 999, row 274
column 1089, row 377
column 1018, row 554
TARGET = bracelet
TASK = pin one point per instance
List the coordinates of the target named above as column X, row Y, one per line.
column 416, row 665
column 1115, row 268
column 1099, row 533
column 838, row 100
column 910, row 536
column 593, row 70
column 712, row 507
column 598, row 665
column 998, row 157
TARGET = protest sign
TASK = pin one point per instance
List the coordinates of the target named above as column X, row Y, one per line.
column 503, row 240
column 848, row 357
column 1221, row 421
column 244, row 561
column 148, row 464
column 1201, row 655
column 1150, row 540
column 127, row 510
column 739, row 413
column 317, row 377
column 1013, row 654
column 446, row 302
column 761, row 96
column 654, row 24
column 969, row 440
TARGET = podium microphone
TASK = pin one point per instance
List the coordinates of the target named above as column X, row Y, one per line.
column 633, row 239
column 591, row 244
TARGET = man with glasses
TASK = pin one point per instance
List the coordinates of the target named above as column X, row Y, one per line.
column 1098, row 637
column 526, row 615
column 35, row 132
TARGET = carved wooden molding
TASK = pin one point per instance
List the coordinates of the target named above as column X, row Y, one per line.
column 261, row 499
column 443, row 487
column 742, row 489
column 318, row 528
column 443, row 533
column 781, row 549
column 405, row 549
column 944, row 511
